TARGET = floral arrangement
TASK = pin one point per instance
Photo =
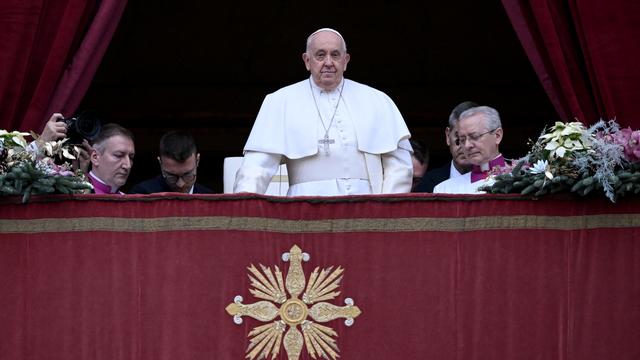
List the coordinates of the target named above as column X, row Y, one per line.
column 570, row 157
column 42, row 168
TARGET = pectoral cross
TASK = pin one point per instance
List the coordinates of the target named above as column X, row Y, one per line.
column 326, row 141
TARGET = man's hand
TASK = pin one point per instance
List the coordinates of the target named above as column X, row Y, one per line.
column 84, row 157
column 54, row 129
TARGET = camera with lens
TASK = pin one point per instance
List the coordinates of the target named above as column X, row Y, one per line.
column 86, row 125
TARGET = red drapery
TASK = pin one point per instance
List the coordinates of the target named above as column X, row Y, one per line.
column 585, row 53
column 144, row 277
column 50, row 52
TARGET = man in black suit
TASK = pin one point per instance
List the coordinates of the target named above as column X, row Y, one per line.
column 420, row 160
column 458, row 164
column 179, row 158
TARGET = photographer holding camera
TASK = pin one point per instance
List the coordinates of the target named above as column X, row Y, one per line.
column 56, row 129
column 110, row 154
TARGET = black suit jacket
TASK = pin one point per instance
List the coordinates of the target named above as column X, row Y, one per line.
column 157, row 185
column 434, row 177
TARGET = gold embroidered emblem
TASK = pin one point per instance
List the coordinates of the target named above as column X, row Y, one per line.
column 269, row 286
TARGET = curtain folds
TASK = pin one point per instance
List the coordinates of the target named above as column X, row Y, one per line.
column 78, row 75
column 50, row 51
column 584, row 53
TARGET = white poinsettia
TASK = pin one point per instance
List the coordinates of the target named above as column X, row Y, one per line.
column 48, row 148
column 34, row 168
column 53, row 148
column 67, row 154
column 16, row 137
column 19, row 139
column 565, row 138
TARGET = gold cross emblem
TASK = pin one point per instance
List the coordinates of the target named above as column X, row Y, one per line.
column 306, row 312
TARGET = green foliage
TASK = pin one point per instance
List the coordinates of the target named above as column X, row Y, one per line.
column 31, row 170
column 625, row 181
column 568, row 157
column 24, row 179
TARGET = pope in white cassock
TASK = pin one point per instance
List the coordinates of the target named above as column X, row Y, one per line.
column 337, row 136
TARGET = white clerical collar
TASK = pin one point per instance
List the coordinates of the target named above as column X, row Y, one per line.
column 488, row 165
column 320, row 90
column 453, row 170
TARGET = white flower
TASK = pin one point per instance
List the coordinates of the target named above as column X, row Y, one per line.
column 48, row 148
column 573, row 128
column 557, row 150
column 574, row 144
column 565, row 138
column 19, row 139
column 67, row 154
column 541, row 166
column 15, row 136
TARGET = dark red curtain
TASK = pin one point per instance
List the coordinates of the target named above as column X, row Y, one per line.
column 49, row 52
column 585, row 53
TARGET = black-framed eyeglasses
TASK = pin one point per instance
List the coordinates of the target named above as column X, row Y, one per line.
column 187, row 177
column 472, row 138
column 173, row 178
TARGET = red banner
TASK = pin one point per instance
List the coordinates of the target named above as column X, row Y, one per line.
column 485, row 277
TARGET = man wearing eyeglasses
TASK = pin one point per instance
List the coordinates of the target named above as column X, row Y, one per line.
column 458, row 164
column 336, row 136
column 178, row 158
column 480, row 133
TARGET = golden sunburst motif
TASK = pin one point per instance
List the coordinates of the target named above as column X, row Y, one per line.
column 293, row 311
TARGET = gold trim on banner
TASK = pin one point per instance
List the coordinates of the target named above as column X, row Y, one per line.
column 280, row 178
column 269, row 285
column 226, row 223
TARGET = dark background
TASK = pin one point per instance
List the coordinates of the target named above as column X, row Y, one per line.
column 206, row 66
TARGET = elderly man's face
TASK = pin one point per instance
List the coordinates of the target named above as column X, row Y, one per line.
column 326, row 60
column 113, row 165
column 455, row 148
column 479, row 142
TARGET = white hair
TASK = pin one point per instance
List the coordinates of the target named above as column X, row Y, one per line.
column 491, row 116
column 344, row 44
